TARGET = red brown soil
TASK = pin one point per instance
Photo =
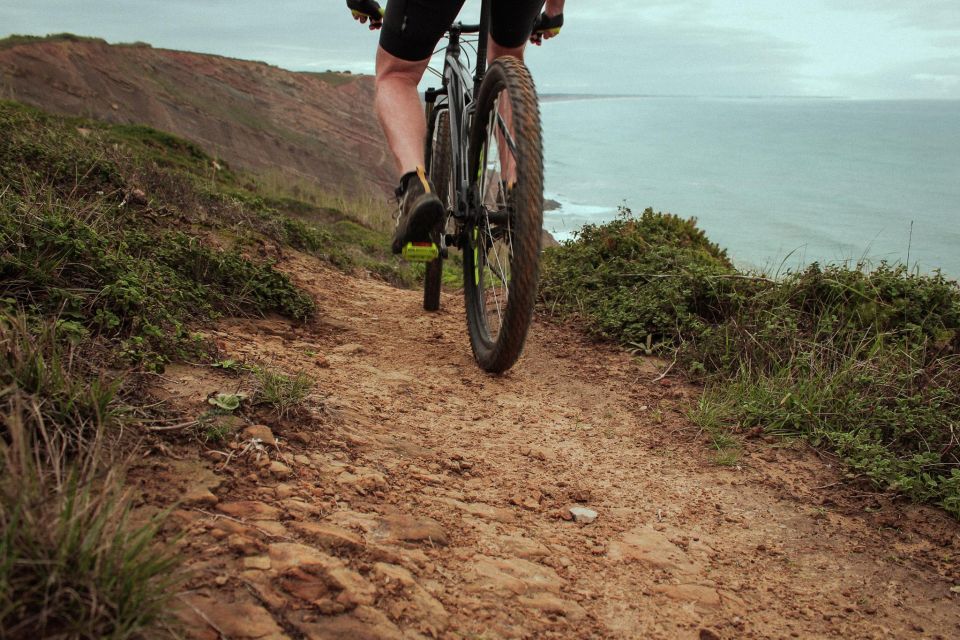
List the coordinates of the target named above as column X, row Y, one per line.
column 416, row 496
column 310, row 127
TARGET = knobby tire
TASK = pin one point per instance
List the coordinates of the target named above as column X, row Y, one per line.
column 496, row 351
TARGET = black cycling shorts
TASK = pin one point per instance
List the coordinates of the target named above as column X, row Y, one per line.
column 412, row 28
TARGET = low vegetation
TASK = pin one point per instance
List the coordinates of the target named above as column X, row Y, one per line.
column 283, row 393
column 118, row 244
column 72, row 564
column 863, row 361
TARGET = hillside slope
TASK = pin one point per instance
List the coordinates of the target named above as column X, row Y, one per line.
column 307, row 127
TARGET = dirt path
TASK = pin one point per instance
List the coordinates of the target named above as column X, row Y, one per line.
column 423, row 498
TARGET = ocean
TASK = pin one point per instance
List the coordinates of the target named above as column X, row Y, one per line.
column 779, row 183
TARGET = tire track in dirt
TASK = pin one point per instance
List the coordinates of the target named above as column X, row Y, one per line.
column 420, row 497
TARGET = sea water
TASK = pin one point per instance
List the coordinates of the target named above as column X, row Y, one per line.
column 780, row 183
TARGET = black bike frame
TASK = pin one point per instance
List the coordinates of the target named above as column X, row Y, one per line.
column 458, row 95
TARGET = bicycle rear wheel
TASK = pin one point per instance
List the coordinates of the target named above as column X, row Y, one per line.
column 501, row 239
column 440, row 170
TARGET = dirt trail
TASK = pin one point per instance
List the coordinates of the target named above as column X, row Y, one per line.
column 420, row 497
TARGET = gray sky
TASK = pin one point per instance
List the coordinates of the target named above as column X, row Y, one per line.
column 855, row 48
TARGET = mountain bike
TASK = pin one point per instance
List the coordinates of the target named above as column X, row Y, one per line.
column 484, row 155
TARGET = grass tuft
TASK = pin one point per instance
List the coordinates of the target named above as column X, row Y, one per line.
column 71, row 562
column 284, row 393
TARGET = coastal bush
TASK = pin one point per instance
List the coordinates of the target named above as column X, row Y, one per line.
column 865, row 362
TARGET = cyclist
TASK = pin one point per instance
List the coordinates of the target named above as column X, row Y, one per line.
column 410, row 31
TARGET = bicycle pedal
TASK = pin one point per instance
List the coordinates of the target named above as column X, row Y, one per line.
column 420, row 252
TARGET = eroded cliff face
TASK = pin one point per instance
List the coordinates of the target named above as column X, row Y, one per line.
column 317, row 128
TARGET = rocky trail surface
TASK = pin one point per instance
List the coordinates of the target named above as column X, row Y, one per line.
column 417, row 497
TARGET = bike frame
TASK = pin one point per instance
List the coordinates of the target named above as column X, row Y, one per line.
column 458, row 96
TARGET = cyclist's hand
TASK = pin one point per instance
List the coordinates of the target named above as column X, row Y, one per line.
column 364, row 10
column 546, row 27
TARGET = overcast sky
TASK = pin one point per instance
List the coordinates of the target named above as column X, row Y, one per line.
column 854, row 48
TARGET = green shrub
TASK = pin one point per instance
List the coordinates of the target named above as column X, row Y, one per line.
column 865, row 362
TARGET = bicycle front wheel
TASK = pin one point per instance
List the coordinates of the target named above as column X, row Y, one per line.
column 501, row 238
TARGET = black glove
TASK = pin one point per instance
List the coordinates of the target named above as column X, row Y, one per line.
column 364, row 10
column 546, row 27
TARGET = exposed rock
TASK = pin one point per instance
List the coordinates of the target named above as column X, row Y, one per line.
column 260, row 432
column 363, row 623
column 537, row 453
column 362, row 480
column 314, row 565
column 700, row 594
column 582, row 514
column 433, row 618
column 243, row 544
column 280, row 470
column 549, row 603
column 284, row 491
column 257, row 562
column 485, row 511
column 299, row 506
column 405, row 528
column 329, row 536
column 648, row 546
column 512, row 576
column 249, row 509
column 271, row 527
column 521, row 547
column 242, row 619
column 285, row 555
column 366, row 522
column 200, row 497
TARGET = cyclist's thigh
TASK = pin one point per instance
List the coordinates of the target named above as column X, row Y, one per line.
column 512, row 21
column 412, row 28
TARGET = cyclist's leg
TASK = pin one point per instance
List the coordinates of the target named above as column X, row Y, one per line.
column 411, row 30
column 399, row 110
column 511, row 25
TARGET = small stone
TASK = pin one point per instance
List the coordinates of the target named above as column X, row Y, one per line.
column 580, row 495
column 582, row 514
column 284, row 491
column 218, row 534
column 243, row 544
column 257, row 562
column 302, row 459
column 322, row 362
column 249, row 509
column 709, row 634
column 280, row 470
column 329, row 536
column 260, row 432
column 200, row 497
column 221, row 580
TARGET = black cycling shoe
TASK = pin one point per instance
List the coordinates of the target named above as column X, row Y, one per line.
column 420, row 212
